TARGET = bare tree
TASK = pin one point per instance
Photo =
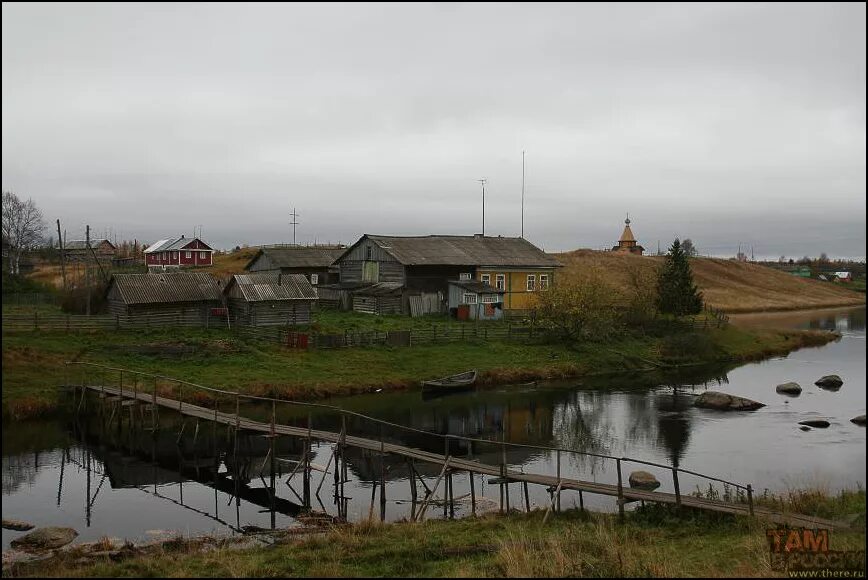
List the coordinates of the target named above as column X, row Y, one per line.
column 689, row 249
column 22, row 228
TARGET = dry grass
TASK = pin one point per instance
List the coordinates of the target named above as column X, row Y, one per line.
column 726, row 284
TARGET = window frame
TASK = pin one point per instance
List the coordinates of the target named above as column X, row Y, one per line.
column 500, row 281
column 543, row 282
column 489, row 299
column 468, row 296
column 465, row 276
column 531, row 283
column 314, row 279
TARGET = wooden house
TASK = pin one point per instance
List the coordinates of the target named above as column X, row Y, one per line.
column 317, row 263
column 178, row 253
column 164, row 299
column 77, row 250
column 474, row 300
column 270, row 299
column 426, row 264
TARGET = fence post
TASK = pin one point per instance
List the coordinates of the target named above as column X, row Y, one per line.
column 677, row 487
column 750, row 498
column 35, row 321
column 620, row 491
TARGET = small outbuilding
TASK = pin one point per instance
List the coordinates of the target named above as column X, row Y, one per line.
column 164, row 299
column 475, row 300
column 270, row 299
column 379, row 298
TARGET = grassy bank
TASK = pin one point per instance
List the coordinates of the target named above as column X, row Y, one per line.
column 33, row 362
column 654, row 541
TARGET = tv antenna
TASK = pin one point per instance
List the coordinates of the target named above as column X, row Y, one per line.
column 483, row 181
column 293, row 223
column 522, row 193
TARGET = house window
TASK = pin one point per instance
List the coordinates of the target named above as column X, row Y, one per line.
column 469, row 298
column 486, row 278
column 489, row 298
column 531, row 282
column 314, row 278
column 203, row 255
column 543, row 281
column 188, row 255
column 464, row 276
column 500, row 281
column 174, row 255
column 369, row 253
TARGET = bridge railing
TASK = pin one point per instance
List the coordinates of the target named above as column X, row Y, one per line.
column 446, row 437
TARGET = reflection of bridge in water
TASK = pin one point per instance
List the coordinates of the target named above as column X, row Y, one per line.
column 459, row 453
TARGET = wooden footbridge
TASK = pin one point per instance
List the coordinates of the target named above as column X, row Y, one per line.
column 120, row 388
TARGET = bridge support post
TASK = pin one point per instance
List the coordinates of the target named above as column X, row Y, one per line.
column 581, row 500
column 472, row 494
column 750, row 498
column 382, row 477
column 558, row 505
column 413, row 492
column 677, row 487
column 620, row 492
column 306, row 472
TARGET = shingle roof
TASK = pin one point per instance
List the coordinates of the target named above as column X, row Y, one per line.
column 82, row 244
column 268, row 287
column 168, row 288
column 312, row 257
column 463, row 251
column 476, row 286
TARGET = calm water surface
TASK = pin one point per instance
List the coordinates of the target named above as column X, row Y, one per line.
column 59, row 472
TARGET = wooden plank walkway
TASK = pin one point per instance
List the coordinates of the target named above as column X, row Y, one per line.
column 458, row 464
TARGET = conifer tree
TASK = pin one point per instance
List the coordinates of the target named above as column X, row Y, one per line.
column 676, row 292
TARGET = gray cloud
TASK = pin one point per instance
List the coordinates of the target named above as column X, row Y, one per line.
column 725, row 123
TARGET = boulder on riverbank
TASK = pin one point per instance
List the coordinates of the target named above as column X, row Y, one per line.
column 860, row 420
column 830, row 382
column 724, row 402
column 818, row 423
column 48, row 538
column 643, row 480
column 17, row 525
column 790, row 388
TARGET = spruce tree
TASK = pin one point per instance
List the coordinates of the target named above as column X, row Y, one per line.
column 676, row 292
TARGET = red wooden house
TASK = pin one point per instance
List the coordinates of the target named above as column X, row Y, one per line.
column 179, row 253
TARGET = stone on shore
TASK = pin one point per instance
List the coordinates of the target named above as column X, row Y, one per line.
column 17, row 525
column 725, row 402
column 48, row 538
column 789, row 389
column 643, row 480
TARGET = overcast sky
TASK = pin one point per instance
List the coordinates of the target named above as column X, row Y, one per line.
column 722, row 123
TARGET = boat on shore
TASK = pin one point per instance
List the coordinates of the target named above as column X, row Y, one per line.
column 452, row 384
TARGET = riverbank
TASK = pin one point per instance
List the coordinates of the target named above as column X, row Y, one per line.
column 653, row 541
column 34, row 362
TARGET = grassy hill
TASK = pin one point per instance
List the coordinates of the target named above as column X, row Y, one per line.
column 726, row 284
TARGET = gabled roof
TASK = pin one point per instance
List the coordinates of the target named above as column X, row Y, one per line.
column 174, row 244
column 476, row 286
column 461, row 251
column 627, row 236
column 301, row 257
column 268, row 287
column 168, row 288
column 82, row 244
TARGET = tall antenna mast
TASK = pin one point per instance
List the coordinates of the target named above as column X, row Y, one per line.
column 522, row 193
column 482, row 181
column 293, row 223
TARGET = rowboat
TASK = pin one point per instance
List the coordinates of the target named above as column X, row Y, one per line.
column 452, row 384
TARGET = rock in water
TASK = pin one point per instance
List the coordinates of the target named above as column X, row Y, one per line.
column 48, row 538
column 805, row 428
column 830, row 382
column 860, row 420
column 724, row 402
column 789, row 389
column 17, row 525
column 643, row 480
column 818, row 423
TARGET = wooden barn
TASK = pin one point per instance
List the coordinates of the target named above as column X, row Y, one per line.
column 164, row 299
column 380, row 298
column 270, row 299
column 425, row 264
column 77, row 250
column 317, row 263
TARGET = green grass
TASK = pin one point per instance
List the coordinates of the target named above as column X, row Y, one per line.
column 654, row 541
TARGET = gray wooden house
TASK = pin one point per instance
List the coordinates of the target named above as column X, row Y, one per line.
column 270, row 299
column 164, row 299
column 78, row 251
column 425, row 265
column 469, row 299
column 317, row 263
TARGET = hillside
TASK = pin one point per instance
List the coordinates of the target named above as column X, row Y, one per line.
column 726, row 284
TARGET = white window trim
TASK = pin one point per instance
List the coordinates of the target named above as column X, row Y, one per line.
column 187, row 255
column 489, row 298
column 469, row 298
column 203, row 255
column 500, row 281
column 531, row 282
column 314, row 278
column 543, row 281
column 464, row 276
column 486, row 278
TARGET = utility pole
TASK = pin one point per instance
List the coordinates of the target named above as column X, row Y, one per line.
column 293, row 223
column 87, row 269
column 62, row 256
column 482, row 181
column 522, row 193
